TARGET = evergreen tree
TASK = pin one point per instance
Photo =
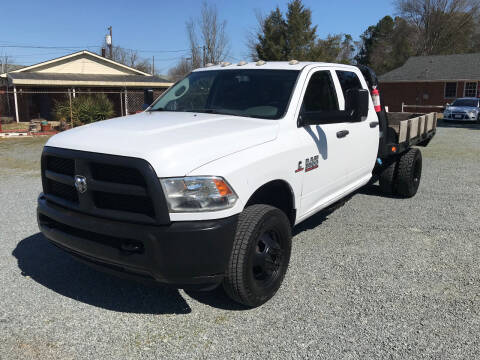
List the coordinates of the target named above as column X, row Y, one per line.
column 386, row 45
column 272, row 41
column 282, row 38
column 300, row 35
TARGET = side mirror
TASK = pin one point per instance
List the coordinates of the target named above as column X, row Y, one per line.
column 356, row 104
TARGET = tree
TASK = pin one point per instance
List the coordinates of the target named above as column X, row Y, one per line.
column 131, row 58
column 335, row 48
column 423, row 27
column 183, row 68
column 271, row 41
column 208, row 42
column 444, row 26
column 6, row 63
column 387, row 45
column 300, row 34
column 292, row 36
column 212, row 47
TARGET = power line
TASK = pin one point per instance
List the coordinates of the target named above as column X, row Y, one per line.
column 88, row 47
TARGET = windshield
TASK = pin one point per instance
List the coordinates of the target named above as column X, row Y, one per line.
column 465, row 102
column 253, row 93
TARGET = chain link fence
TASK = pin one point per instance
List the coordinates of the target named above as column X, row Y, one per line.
column 25, row 105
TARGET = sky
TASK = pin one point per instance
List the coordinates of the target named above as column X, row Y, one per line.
column 156, row 28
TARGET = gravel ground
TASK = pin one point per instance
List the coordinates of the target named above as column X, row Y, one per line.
column 377, row 278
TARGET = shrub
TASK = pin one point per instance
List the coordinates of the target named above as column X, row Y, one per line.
column 85, row 109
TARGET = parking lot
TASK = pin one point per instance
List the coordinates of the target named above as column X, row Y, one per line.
column 377, row 278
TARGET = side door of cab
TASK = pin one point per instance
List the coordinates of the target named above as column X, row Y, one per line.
column 326, row 157
column 363, row 138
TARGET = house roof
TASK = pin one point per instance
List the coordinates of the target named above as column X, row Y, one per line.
column 83, row 68
column 436, row 68
column 77, row 54
column 52, row 79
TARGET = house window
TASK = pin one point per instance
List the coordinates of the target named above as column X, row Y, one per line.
column 470, row 89
column 450, row 90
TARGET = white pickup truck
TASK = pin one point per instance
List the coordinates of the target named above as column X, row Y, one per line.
column 204, row 187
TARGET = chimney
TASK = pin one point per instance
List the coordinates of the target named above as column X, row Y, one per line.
column 103, row 52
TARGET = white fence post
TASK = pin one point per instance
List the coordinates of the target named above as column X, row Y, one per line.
column 121, row 104
column 16, row 103
column 402, row 105
column 126, row 102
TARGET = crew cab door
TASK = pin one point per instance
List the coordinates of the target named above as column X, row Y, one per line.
column 363, row 135
column 326, row 154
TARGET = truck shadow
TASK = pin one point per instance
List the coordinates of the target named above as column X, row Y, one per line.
column 374, row 190
column 58, row 271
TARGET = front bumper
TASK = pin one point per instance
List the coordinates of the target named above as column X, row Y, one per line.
column 183, row 254
column 463, row 117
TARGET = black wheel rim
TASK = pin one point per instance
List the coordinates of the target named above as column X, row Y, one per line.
column 268, row 258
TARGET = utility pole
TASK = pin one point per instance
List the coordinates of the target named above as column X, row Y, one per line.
column 204, row 56
column 153, row 65
column 109, row 41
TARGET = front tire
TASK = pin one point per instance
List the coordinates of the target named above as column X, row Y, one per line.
column 409, row 173
column 260, row 255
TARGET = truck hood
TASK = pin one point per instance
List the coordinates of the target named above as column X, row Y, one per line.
column 174, row 143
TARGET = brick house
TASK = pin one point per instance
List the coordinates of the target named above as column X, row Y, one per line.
column 431, row 80
column 31, row 91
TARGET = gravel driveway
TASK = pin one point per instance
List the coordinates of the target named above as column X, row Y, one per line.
column 376, row 278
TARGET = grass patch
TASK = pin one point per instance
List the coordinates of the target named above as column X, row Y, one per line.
column 16, row 126
column 21, row 155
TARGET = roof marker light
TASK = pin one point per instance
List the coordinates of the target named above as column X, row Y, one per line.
column 209, row 64
column 225, row 63
column 241, row 63
column 260, row 63
column 293, row 62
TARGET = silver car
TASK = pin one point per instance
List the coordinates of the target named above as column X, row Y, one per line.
column 463, row 109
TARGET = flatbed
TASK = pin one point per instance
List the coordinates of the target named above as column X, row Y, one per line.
column 405, row 130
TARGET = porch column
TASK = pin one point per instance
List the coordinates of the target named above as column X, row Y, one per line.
column 126, row 102
column 16, row 102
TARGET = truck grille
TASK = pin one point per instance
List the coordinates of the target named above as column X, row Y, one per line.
column 120, row 188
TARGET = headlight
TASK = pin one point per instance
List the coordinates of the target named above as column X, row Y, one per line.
column 193, row 194
column 471, row 114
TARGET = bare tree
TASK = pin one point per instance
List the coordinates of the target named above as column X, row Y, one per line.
column 183, row 68
column 5, row 61
column 444, row 26
column 213, row 45
column 130, row 58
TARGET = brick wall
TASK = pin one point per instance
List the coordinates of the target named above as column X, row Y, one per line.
column 416, row 93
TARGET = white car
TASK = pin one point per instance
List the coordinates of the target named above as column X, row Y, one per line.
column 204, row 187
column 463, row 109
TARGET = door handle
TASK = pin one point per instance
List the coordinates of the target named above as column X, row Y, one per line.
column 373, row 124
column 342, row 133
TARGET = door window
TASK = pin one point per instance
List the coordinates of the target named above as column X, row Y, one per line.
column 348, row 80
column 320, row 99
